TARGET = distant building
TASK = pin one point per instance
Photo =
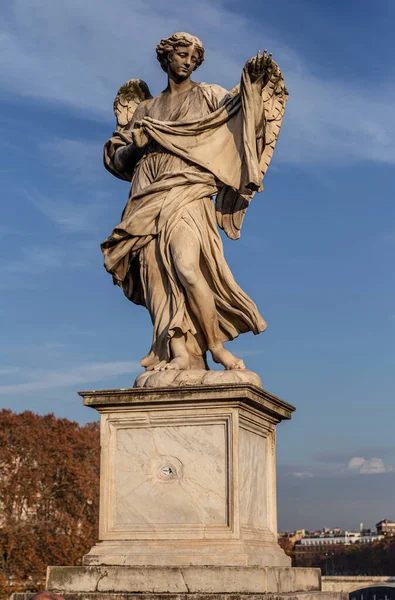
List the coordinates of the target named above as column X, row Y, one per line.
column 300, row 533
column 309, row 551
column 386, row 527
column 345, row 538
column 309, row 548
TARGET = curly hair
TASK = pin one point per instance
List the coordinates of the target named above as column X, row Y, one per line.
column 167, row 45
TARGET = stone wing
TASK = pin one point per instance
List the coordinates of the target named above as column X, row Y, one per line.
column 274, row 96
column 231, row 206
column 129, row 96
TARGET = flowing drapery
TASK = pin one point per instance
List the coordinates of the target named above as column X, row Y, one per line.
column 208, row 142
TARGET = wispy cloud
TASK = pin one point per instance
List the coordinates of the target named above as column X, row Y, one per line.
column 341, row 456
column 71, row 215
column 33, row 261
column 336, row 465
column 77, row 161
column 40, row 379
column 65, row 57
column 371, row 466
column 9, row 370
column 28, row 355
column 334, row 122
column 302, row 474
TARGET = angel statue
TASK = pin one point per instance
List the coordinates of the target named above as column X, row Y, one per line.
column 190, row 145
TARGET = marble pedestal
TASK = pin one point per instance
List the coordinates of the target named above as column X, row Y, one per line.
column 188, row 476
column 188, row 499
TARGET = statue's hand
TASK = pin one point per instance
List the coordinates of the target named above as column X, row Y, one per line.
column 139, row 137
column 259, row 67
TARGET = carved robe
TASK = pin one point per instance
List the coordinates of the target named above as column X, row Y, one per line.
column 208, row 146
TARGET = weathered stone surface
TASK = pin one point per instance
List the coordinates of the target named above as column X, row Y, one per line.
column 152, row 379
column 188, row 476
column 131, row 596
column 350, row 583
column 260, row 399
column 170, row 580
column 191, row 142
column 201, row 553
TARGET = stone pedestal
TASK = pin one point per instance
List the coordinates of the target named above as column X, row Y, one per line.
column 186, row 583
column 188, row 476
column 188, row 497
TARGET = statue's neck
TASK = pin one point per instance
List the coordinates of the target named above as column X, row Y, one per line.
column 179, row 87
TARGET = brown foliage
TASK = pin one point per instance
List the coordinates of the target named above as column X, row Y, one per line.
column 49, row 495
column 287, row 545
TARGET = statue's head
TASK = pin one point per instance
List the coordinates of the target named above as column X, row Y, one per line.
column 177, row 42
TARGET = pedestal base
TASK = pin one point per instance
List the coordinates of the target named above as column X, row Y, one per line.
column 133, row 596
column 189, row 583
column 233, row 553
column 188, row 476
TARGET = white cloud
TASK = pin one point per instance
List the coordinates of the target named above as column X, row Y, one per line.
column 79, row 54
column 40, row 379
column 355, row 463
column 302, row 474
column 333, row 122
column 371, row 466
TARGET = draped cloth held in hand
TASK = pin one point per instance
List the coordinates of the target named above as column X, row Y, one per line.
column 207, row 143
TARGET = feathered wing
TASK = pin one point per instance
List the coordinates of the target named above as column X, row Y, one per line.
column 129, row 96
column 274, row 96
column 230, row 205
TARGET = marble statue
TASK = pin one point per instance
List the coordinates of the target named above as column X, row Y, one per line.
column 195, row 156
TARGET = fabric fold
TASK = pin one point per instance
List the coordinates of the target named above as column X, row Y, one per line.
column 209, row 141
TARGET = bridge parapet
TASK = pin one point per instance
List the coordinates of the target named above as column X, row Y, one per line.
column 352, row 584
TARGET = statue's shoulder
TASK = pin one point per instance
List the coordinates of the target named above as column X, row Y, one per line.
column 214, row 93
column 213, row 88
column 145, row 105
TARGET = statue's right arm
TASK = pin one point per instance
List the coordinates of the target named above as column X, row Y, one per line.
column 120, row 153
column 126, row 158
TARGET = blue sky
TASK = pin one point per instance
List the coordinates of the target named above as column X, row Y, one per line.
column 317, row 247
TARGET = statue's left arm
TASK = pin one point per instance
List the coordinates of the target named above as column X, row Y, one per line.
column 258, row 68
column 264, row 97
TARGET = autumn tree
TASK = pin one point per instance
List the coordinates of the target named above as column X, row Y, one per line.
column 287, row 545
column 49, row 495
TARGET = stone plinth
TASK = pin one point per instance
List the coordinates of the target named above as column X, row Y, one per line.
column 188, row 476
column 183, row 580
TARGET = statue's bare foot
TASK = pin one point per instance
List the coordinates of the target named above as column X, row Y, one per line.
column 179, row 363
column 222, row 356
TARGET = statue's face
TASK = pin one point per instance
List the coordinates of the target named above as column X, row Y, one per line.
column 182, row 61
